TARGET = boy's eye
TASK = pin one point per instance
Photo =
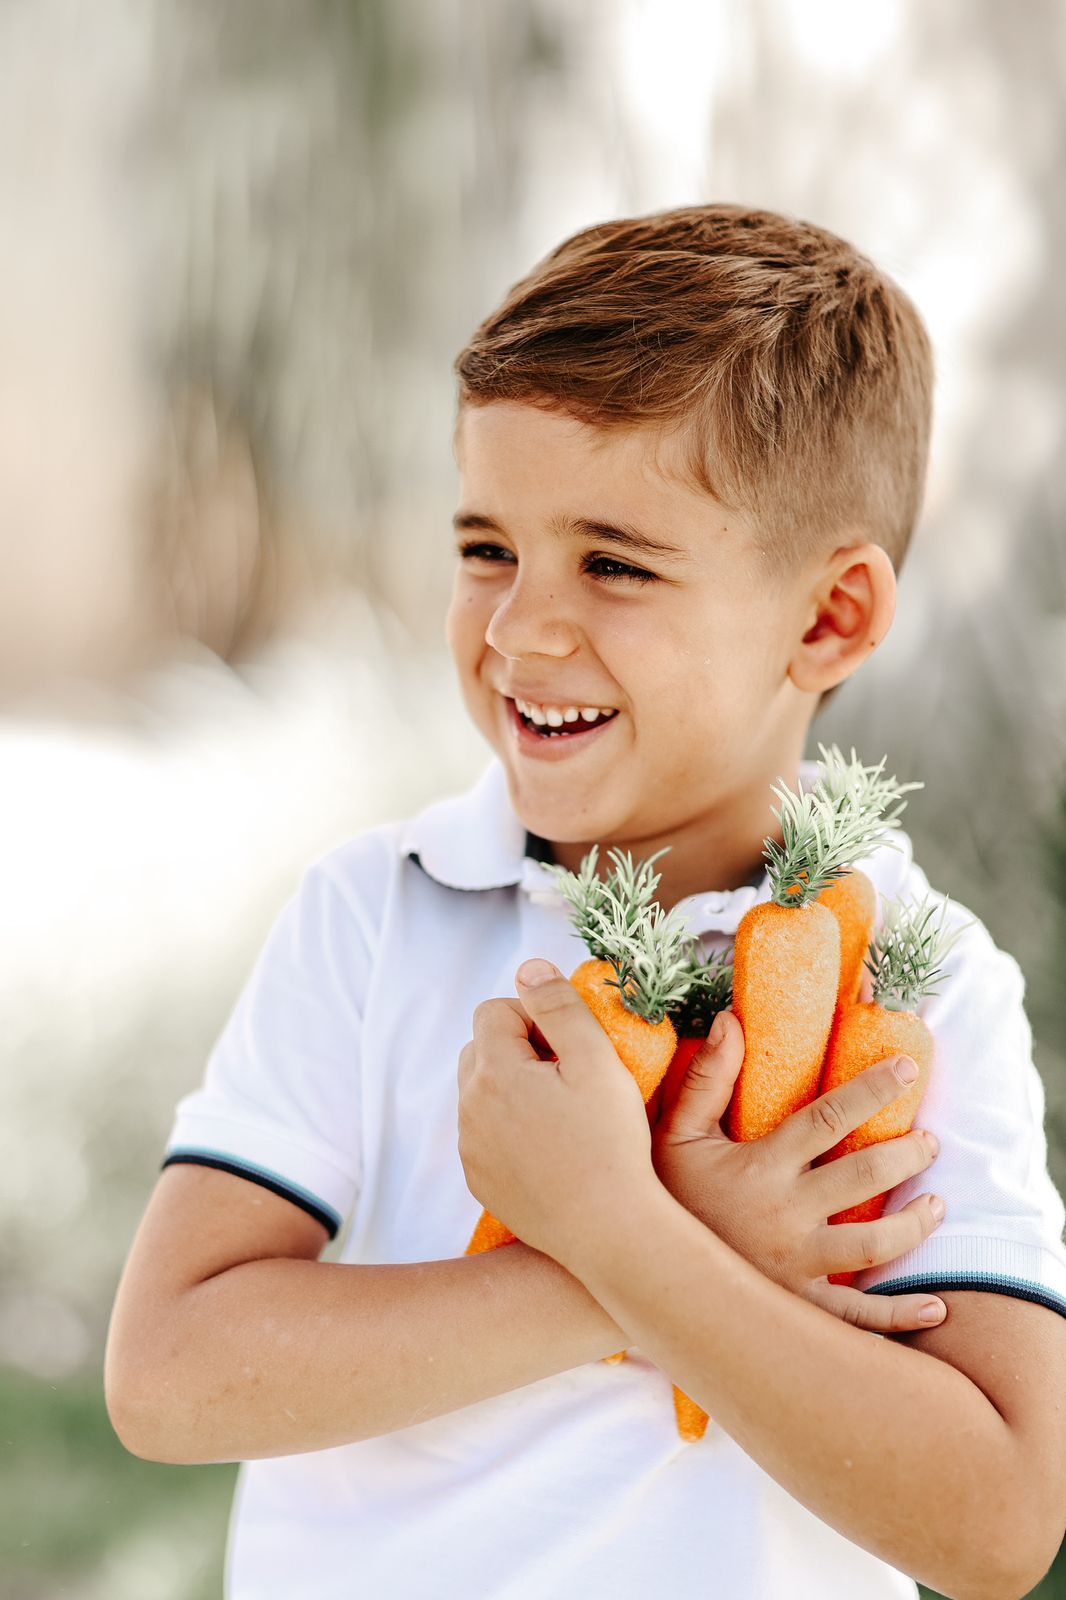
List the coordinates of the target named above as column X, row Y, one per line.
column 605, row 567
column 609, row 568
column 480, row 551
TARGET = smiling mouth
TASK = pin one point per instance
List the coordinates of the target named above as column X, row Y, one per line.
column 569, row 730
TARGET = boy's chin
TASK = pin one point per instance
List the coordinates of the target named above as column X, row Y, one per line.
column 564, row 822
column 556, row 803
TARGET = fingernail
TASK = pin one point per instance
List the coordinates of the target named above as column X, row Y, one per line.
column 936, row 1206
column 717, row 1030
column 906, row 1069
column 530, row 973
column 931, row 1140
column 935, row 1311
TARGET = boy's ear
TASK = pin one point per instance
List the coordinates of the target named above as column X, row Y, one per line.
column 848, row 612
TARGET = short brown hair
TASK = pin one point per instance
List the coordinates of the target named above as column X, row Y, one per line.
column 800, row 375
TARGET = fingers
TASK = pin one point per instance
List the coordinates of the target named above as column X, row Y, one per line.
column 536, row 1038
column 862, row 1174
column 559, row 1012
column 466, row 1065
column 817, row 1127
column 501, row 1027
column 853, row 1246
column 694, row 1100
column 880, row 1313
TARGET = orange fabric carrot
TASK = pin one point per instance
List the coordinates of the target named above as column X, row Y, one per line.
column 852, row 898
column 693, row 1017
column 646, row 1048
column 904, row 959
column 795, row 954
column 639, row 966
column 642, row 964
column 787, row 958
column 786, row 967
column 710, row 992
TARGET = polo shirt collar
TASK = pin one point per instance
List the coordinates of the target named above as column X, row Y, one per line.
column 475, row 841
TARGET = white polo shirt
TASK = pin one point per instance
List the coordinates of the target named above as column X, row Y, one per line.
column 334, row 1083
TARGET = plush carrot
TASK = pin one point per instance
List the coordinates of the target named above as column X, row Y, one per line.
column 785, row 977
column 788, row 966
column 786, row 973
column 639, row 965
column 711, row 986
column 795, row 948
column 693, row 1017
column 643, row 962
column 792, row 951
column 786, row 963
column 852, row 897
column 708, row 988
column 904, row 960
column 711, row 992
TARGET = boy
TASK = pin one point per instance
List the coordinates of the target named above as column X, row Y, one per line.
column 692, row 449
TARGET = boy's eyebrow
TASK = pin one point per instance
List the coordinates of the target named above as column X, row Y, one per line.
column 625, row 535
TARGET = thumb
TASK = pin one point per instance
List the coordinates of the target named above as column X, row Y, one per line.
column 706, row 1089
column 559, row 1014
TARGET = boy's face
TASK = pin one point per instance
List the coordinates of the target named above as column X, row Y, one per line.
column 692, row 660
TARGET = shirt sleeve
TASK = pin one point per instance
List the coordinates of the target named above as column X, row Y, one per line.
column 280, row 1099
column 1003, row 1224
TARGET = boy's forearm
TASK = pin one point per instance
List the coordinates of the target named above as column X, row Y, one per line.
column 900, row 1452
column 277, row 1357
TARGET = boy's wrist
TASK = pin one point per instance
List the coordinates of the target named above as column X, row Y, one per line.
column 569, row 1298
column 605, row 1246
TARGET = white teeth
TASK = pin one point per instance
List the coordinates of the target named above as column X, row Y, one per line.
column 556, row 716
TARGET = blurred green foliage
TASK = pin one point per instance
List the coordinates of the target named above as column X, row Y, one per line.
column 83, row 1519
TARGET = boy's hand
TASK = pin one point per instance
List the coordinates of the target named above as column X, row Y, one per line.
column 550, row 1147
column 764, row 1198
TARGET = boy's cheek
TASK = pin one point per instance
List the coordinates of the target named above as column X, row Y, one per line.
column 468, row 651
column 466, row 663
column 453, row 635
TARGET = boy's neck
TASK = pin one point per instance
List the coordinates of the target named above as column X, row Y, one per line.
column 722, row 852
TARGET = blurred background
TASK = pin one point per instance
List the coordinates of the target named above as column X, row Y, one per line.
column 242, row 243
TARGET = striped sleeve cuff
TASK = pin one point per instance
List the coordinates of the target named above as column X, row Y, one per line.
column 994, row 1266
column 290, row 1168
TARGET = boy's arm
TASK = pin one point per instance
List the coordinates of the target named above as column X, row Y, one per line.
column 953, row 1469
column 229, row 1340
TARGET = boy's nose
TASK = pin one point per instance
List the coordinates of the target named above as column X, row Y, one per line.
column 529, row 623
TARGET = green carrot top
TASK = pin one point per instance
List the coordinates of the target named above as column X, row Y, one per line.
column 849, row 783
column 844, row 815
column 711, row 992
column 906, row 952
column 651, row 950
